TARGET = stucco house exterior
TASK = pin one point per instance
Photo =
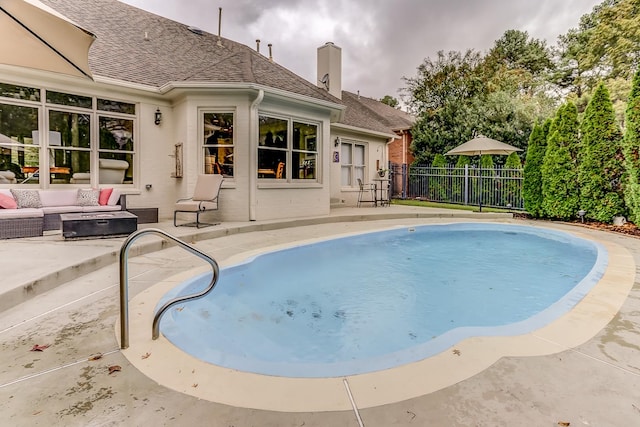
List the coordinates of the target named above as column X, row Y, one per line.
column 167, row 102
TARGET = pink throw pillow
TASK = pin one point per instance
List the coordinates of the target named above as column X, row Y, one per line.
column 7, row 202
column 105, row 193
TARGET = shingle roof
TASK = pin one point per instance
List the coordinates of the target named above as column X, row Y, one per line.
column 171, row 52
column 369, row 113
column 140, row 47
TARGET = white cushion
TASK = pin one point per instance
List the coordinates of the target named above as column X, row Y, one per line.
column 21, row 213
column 65, row 197
column 61, row 209
column 195, row 206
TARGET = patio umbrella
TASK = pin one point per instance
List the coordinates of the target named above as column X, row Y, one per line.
column 479, row 146
column 34, row 35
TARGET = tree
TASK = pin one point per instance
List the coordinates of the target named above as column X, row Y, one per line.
column 517, row 62
column 511, row 188
column 458, row 95
column 513, row 161
column 532, row 185
column 441, row 96
column 601, row 170
column 631, row 146
column 390, row 101
column 439, row 161
column 605, row 45
column 559, row 177
column 463, row 161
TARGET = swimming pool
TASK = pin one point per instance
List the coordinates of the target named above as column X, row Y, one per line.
column 316, row 319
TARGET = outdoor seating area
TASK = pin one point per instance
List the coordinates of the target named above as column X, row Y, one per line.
column 377, row 193
column 28, row 213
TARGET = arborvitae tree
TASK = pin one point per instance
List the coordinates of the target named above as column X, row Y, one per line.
column 487, row 164
column 458, row 186
column 439, row 161
column 463, row 161
column 511, row 192
column 631, row 146
column 532, row 185
column 559, row 176
column 513, row 161
column 601, row 169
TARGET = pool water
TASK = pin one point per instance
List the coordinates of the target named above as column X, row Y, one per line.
column 377, row 300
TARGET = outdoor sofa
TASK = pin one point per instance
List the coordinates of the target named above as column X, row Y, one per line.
column 29, row 212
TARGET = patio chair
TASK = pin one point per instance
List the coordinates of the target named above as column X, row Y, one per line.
column 367, row 193
column 205, row 199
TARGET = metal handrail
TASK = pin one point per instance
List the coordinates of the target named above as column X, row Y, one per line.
column 124, row 283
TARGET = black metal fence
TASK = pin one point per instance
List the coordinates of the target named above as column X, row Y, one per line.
column 496, row 187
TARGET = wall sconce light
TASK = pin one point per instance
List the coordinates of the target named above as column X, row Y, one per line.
column 158, row 117
column 148, row 187
column 337, row 141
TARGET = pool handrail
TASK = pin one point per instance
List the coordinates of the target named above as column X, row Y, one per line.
column 124, row 283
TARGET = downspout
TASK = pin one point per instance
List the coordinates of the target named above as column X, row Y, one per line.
column 404, row 147
column 253, row 153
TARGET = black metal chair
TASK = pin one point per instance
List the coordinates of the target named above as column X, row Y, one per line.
column 367, row 193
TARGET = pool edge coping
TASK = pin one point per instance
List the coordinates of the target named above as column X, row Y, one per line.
column 171, row 367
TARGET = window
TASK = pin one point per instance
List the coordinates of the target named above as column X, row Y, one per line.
column 287, row 149
column 352, row 164
column 82, row 133
column 69, row 142
column 115, row 150
column 19, row 92
column 304, row 152
column 218, row 143
column 19, row 150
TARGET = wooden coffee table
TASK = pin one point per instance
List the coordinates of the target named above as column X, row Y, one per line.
column 98, row 224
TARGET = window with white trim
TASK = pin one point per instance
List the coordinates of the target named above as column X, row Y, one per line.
column 217, row 142
column 352, row 156
column 69, row 145
column 287, row 149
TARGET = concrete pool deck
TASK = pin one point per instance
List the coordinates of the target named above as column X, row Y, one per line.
column 65, row 294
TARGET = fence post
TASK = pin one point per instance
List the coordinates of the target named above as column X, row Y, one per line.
column 405, row 178
column 466, row 184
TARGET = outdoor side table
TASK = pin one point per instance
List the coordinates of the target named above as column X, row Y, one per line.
column 98, row 224
column 382, row 191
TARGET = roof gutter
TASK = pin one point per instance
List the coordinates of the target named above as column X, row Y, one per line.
column 338, row 108
column 364, row 131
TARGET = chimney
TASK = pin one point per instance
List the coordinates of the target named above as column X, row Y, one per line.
column 270, row 55
column 330, row 69
column 258, row 45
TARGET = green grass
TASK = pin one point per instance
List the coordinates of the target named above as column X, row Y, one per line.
column 446, row 206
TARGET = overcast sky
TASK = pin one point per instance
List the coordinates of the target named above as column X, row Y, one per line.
column 381, row 40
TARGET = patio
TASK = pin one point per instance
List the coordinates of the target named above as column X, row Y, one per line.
column 595, row 383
